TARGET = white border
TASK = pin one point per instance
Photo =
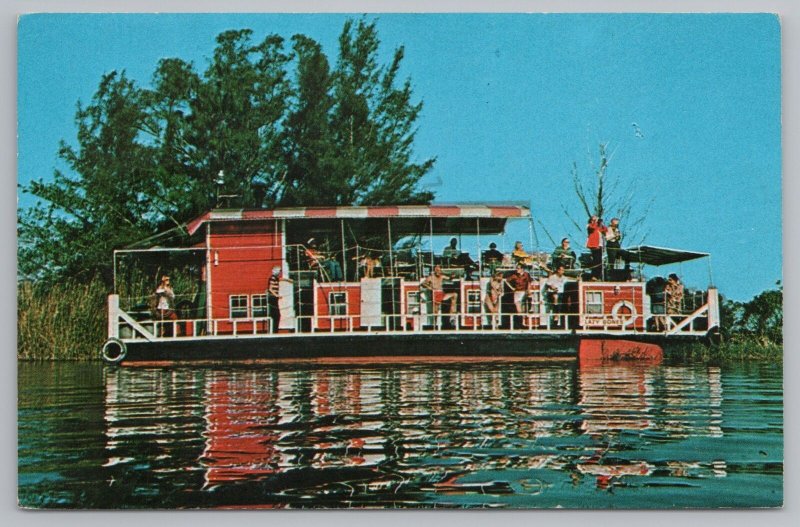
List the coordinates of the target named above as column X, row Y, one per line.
column 790, row 21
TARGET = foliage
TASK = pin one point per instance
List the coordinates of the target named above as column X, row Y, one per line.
column 269, row 125
column 760, row 319
column 104, row 201
column 62, row 321
column 735, row 349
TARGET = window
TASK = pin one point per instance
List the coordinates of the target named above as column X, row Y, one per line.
column 238, row 306
column 594, row 303
column 259, row 303
column 337, row 303
column 412, row 302
column 474, row 301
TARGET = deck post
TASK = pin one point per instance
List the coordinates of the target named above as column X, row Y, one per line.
column 113, row 316
column 713, row 307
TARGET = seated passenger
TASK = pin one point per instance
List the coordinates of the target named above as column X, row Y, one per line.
column 493, row 255
column 435, row 283
column 563, row 256
column 318, row 261
column 454, row 257
column 520, row 256
column 451, row 251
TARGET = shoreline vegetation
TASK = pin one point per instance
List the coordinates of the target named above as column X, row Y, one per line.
column 66, row 321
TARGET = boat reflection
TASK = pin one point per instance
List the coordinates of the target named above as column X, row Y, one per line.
column 400, row 435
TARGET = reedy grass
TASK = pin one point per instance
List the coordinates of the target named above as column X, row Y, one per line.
column 64, row 321
column 739, row 348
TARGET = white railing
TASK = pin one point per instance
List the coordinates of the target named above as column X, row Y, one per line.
column 122, row 325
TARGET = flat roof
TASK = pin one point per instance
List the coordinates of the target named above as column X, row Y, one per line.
column 457, row 211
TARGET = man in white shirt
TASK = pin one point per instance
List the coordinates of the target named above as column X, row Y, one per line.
column 554, row 288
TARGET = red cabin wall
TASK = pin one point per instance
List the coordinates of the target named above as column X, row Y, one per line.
column 353, row 305
column 241, row 261
column 612, row 294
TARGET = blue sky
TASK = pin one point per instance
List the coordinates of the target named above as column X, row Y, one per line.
column 510, row 102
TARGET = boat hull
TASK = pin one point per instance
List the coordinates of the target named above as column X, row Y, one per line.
column 387, row 346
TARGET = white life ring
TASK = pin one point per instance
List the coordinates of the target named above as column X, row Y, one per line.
column 629, row 319
column 114, row 351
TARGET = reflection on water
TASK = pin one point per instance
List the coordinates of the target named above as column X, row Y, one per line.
column 462, row 435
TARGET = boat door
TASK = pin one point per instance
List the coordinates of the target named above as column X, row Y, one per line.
column 371, row 303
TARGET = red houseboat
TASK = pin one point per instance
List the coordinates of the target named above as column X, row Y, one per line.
column 353, row 282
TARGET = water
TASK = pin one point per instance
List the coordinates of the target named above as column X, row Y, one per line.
column 512, row 435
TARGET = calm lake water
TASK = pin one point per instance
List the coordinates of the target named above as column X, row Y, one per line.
column 510, row 435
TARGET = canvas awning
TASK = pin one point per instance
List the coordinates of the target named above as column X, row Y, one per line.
column 410, row 219
column 650, row 255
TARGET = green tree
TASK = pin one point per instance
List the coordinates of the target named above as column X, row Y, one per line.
column 310, row 154
column 761, row 317
column 373, row 123
column 221, row 132
column 103, row 202
column 351, row 131
column 152, row 158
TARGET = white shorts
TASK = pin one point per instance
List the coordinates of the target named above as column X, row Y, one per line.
column 519, row 296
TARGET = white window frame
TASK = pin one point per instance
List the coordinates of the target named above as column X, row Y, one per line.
column 413, row 302
column 473, row 301
column 591, row 308
column 236, row 312
column 262, row 298
column 333, row 307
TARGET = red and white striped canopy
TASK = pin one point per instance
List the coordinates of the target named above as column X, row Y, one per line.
column 442, row 211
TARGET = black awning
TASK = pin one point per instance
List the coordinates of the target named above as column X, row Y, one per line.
column 650, row 255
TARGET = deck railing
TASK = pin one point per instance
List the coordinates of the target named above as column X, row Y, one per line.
column 123, row 326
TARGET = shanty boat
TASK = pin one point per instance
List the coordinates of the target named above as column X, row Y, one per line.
column 379, row 307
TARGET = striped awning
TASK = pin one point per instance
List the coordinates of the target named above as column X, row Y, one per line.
column 438, row 211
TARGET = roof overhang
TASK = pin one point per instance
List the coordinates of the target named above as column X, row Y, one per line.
column 442, row 218
column 647, row 254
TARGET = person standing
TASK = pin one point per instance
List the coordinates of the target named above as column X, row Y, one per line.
column 594, row 242
column 521, row 283
column 674, row 293
column 273, row 298
column 165, row 303
column 434, row 282
column 494, row 294
column 555, row 293
column 613, row 239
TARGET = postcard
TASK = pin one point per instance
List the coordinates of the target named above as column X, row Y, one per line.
column 418, row 261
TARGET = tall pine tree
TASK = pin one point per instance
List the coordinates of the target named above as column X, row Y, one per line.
column 261, row 123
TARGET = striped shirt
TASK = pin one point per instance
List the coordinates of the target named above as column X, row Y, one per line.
column 273, row 287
